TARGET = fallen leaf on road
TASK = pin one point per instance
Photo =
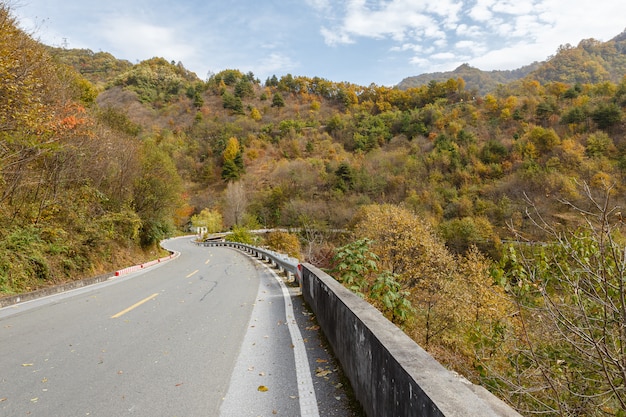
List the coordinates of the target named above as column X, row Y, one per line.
column 44, row 380
column 319, row 372
column 321, row 361
column 313, row 328
column 27, row 364
column 178, row 385
column 3, row 399
column 34, row 400
column 263, row 388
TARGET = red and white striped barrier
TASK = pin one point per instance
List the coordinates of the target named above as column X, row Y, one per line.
column 139, row 267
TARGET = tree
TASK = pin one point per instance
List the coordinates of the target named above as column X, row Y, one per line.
column 408, row 247
column 255, row 114
column 232, row 102
column 235, row 204
column 284, row 242
column 599, row 144
column 345, row 177
column 232, row 160
column 211, row 219
column 232, row 149
column 607, row 115
column 157, row 193
column 278, row 100
column 452, row 297
column 572, row 289
column 244, row 89
column 544, row 139
column 230, row 171
column 466, row 233
column 241, row 235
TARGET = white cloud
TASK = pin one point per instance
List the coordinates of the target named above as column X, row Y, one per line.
column 397, row 20
column 498, row 34
column 466, row 44
column 481, row 11
column 443, row 56
column 473, row 31
column 514, row 7
column 275, row 63
column 135, row 38
column 512, row 56
column 320, row 5
column 333, row 38
column 419, row 62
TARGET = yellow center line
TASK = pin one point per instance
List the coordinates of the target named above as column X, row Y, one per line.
column 121, row 313
column 193, row 273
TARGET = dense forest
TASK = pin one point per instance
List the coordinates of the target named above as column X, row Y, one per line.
column 486, row 224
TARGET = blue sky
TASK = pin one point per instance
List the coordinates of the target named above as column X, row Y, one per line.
column 359, row 41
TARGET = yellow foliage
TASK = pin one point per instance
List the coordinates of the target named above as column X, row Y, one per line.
column 452, row 296
column 491, row 103
column 405, row 244
column 29, row 82
column 573, row 152
column 255, row 114
column 232, row 149
column 284, row 242
column 602, row 181
column 211, row 219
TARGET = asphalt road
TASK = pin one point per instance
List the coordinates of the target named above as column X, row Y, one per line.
column 210, row 333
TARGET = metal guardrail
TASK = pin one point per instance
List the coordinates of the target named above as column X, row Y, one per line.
column 283, row 262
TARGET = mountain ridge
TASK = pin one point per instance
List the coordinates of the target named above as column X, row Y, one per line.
column 599, row 61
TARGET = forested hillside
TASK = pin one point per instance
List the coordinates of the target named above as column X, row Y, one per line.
column 487, row 226
column 80, row 194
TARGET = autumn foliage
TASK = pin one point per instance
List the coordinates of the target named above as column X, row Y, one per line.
column 418, row 198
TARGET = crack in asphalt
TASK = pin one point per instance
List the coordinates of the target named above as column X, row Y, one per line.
column 214, row 285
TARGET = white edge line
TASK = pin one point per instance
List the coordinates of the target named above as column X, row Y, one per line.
column 306, row 392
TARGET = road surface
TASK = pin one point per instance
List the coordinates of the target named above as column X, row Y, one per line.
column 211, row 333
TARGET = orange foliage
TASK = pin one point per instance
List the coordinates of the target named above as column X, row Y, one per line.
column 72, row 116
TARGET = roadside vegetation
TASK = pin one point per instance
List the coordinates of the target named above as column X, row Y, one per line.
column 486, row 223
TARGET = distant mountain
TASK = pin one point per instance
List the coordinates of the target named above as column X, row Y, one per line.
column 475, row 79
column 591, row 61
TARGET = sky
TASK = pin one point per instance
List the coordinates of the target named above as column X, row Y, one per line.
column 358, row 41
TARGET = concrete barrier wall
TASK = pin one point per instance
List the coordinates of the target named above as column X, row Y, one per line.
column 55, row 289
column 20, row 298
column 390, row 374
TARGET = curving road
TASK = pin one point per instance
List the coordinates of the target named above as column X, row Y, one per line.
column 210, row 333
